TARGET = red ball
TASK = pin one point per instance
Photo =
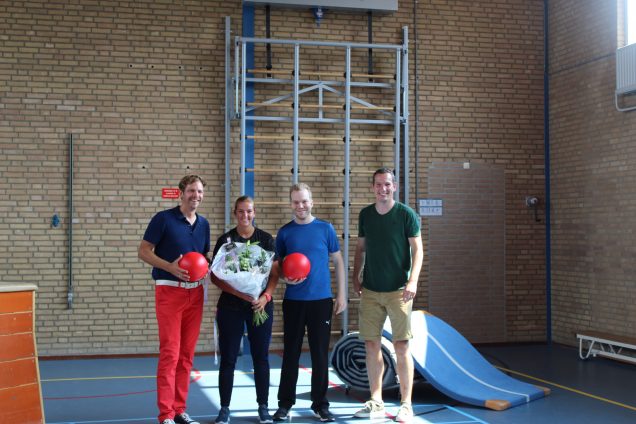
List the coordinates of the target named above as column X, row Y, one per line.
column 196, row 265
column 296, row 266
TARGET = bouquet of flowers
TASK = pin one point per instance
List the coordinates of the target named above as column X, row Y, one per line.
column 244, row 266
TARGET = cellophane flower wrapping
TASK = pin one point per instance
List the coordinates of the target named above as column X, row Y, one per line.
column 244, row 266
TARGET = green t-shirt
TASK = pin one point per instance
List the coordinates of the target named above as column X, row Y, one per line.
column 388, row 253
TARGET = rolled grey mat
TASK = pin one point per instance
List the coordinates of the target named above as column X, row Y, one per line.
column 348, row 359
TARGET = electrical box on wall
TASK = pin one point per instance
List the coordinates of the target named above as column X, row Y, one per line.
column 355, row 5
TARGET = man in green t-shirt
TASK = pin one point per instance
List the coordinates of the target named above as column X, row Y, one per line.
column 387, row 265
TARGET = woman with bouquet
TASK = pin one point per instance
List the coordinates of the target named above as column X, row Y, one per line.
column 237, row 310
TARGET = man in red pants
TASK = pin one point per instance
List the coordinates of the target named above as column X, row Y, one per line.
column 178, row 303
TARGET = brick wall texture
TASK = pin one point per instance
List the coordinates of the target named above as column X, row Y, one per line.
column 593, row 176
column 466, row 246
column 140, row 85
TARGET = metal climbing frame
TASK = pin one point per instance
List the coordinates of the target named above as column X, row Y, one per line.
column 238, row 107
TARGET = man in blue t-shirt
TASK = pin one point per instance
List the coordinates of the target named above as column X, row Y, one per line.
column 178, row 302
column 386, row 268
column 308, row 303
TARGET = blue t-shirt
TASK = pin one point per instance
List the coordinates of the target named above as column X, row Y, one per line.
column 315, row 240
column 172, row 235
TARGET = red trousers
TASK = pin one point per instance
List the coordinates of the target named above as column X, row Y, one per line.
column 179, row 312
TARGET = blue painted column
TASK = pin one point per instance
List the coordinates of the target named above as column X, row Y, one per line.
column 248, row 31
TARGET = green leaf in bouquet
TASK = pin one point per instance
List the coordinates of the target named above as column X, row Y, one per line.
column 259, row 317
column 245, row 257
column 261, row 259
column 231, row 266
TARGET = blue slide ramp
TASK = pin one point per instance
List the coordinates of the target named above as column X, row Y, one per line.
column 454, row 367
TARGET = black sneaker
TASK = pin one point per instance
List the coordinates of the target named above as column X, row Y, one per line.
column 224, row 416
column 263, row 414
column 324, row 415
column 184, row 418
column 281, row 414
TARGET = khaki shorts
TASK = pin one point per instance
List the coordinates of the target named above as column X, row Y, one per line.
column 376, row 306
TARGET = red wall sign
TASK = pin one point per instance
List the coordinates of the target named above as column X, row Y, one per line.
column 170, row 193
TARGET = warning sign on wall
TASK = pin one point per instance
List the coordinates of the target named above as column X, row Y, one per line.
column 170, row 193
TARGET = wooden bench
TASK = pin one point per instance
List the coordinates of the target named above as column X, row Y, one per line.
column 596, row 343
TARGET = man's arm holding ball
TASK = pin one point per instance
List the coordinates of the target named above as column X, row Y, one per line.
column 146, row 253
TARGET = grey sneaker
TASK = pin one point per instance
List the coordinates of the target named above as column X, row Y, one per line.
column 263, row 414
column 224, row 416
column 372, row 409
column 405, row 413
column 281, row 414
column 184, row 418
column 324, row 415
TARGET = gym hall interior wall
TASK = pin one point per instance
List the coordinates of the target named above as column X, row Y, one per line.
column 141, row 88
column 593, row 176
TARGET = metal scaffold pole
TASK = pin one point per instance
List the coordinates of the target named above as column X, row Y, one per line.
column 397, row 123
column 228, row 112
column 405, row 113
column 347, row 181
column 295, row 163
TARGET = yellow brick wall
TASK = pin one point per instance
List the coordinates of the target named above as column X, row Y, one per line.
column 593, row 178
column 141, row 87
column 482, row 101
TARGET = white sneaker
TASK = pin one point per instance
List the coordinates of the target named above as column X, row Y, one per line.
column 404, row 414
column 167, row 421
column 372, row 409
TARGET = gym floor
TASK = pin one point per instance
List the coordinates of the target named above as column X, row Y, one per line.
column 122, row 390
